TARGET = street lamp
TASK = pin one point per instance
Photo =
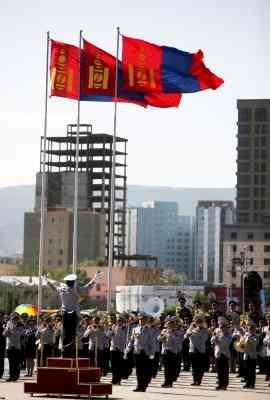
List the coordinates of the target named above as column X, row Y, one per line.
column 242, row 263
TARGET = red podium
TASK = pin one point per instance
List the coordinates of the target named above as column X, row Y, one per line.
column 62, row 377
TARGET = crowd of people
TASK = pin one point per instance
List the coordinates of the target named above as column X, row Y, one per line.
column 194, row 339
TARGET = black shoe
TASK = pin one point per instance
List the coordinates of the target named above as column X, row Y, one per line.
column 166, row 385
column 193, row 384
column 9, row 380
column 139, row 390
column 246, row 387
column 219, row 387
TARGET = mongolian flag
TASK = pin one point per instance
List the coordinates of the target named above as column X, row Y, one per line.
column 150, row 68
column 64, row 68
column 98, row 81
column 98, row 78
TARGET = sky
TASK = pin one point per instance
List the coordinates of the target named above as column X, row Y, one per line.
column 190, row 146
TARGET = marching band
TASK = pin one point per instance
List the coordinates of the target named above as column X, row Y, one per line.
column 202, row 341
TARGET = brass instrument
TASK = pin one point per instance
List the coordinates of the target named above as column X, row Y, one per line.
column 240, row 345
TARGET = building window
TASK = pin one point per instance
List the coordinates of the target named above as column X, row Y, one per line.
column 255, row 217
column 233, row 235
column 250, row 235
column 262, row 204
column 61, row 252
column 243, row 204
column 243, row 192
column 251, row 248
column 263, row 179
column 266, row 261
column 243, row 179
column 260, row 114
column 266, row 274
column 267, row 235
column 264, row 129
column 243, row 217
column 267, row 249
column 59, row 263
column 52, row 220
column 244, row 154
column 251, row 261
column 234, row 248
column 233, row 274
column 244, row 114
column 49, row 262
column 50, row 241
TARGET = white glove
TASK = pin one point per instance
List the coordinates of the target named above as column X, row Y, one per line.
column 151, row 357
column 98, row 276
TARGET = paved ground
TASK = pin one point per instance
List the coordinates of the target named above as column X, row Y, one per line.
column 181, row 390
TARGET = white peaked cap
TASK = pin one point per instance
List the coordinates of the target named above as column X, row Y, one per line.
column 70, row 277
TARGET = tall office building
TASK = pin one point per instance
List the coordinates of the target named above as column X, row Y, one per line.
column 252, row 231
column 156, row 229
column 211, row 216
column 253, row 162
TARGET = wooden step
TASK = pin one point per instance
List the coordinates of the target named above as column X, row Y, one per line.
column 46, row 375
column 64, row 388
column 67, row 362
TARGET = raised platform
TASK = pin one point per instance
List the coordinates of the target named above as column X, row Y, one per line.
column 61, row 377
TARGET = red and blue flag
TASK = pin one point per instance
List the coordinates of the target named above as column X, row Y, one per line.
column 150, row 68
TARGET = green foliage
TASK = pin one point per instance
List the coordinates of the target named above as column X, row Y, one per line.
column 98, row 262
column 28, row 270
column 170, row 310
column 173, row 279
column 201, row 297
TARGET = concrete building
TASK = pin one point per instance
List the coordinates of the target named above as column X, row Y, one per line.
column 156, row 229
column 58, row 242
column 253, row 162
column 210, row 217
column 252, row 231
column 94, row 176
column 252, row 239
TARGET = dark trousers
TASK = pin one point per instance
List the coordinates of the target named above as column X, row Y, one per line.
column 155, row 364
column 2, row 362
column 198, row 362
column 267, row 367
column 14, row 363
column 143, row 370
column 169, row 363
column 70, row 321
column 46, row 352
column 117, row 363
column 96, row 359
column 185, row 354
column 222, row 367
column 250, row 372
column 128, row 365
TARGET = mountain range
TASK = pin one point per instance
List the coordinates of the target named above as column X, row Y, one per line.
column 15, row 200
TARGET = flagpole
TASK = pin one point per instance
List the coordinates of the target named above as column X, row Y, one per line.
column 43, row 205
column 112, row 199
column 76, row 177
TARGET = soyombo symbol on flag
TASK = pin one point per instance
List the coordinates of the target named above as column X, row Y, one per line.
column 98, row 77
column 98, row 81
column 64, row 70
column 149, row 68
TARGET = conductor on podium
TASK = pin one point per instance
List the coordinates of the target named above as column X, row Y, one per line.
column 71, row 296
